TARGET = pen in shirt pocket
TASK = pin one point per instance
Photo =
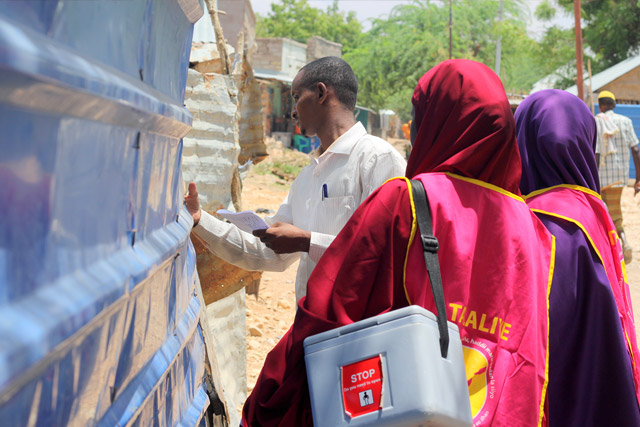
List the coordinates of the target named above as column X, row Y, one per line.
column 325, row 194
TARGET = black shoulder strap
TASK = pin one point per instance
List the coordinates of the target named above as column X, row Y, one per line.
column 430, row 250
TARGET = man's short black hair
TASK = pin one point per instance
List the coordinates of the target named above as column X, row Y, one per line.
column 332, row 71
column 607, row 102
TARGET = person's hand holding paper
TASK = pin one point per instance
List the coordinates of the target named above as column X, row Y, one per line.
column 246, row 220
column 285, row 238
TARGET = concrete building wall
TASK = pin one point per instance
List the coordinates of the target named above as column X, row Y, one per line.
column 269, row 54
column 294, row 57
column 317, row 47
column 280, row 56
column 238, row 16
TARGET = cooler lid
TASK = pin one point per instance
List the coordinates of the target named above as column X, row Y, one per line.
column 374, row 321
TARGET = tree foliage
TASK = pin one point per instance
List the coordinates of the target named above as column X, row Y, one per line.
column 395, row 53
column 391, row 57
column 610, row 29
column 299, row 21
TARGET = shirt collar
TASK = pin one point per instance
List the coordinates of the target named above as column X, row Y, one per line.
column 345, row 143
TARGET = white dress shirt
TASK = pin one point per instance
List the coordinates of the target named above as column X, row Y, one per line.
column 350, row 169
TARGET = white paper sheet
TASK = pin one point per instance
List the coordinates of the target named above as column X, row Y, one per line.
column 245, row 220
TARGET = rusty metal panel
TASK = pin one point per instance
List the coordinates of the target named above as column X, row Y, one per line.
column 210, row 153
column 251, row 119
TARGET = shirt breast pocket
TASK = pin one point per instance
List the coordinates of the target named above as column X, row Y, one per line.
column 334, row 214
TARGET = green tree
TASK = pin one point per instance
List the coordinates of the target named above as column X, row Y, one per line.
column 391, row 57
column 299, row 21
column 610, row 29
column 395, row 53
column 556, row 52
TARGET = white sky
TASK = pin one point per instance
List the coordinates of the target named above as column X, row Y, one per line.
column 368, row 9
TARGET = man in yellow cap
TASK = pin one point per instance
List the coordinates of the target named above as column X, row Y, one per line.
column 616, row 138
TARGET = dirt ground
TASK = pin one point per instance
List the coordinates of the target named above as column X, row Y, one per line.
column 271, row 313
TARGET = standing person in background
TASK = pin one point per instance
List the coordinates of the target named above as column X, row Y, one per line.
column 615, row 137
column 592, row 339
column 495, row 258
column 406, row 130
column 352, row 164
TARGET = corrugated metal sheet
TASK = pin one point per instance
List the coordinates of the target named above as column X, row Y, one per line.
column 251, row 118
column 605, row 77
column 211, row 148
column 210, row 159
column 273, row 75
column 203, row 29
column 99, row 298
column 227, row 129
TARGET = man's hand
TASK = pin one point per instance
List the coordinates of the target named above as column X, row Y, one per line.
column 283, row 238
column 192, row 203
column 636, row 187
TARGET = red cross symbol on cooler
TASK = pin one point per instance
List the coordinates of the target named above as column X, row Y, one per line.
column 362, row 386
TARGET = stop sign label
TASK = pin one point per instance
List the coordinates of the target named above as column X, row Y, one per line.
column 362, row 386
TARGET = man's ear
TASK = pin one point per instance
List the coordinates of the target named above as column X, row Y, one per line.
column 323, row 92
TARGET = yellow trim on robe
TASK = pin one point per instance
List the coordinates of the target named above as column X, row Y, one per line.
column 485, row 185
column 569, row 186
column 633, row 362
column 414, row 227
column 630, row 348
column 552, row 266
column 551, row 263
column 414, row 221
column 395, row 177
column 624, row 271
column 593, row 245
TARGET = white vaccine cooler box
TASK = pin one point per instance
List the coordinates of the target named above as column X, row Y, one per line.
column 387, row 371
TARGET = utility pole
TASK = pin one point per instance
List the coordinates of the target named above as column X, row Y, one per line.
column 578, row 14
column 499, row 44
column 450, row 29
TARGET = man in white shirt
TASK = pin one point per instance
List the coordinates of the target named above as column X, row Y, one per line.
column 615, row 142
column 325, row 194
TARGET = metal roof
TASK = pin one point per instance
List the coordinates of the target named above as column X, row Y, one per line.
column 607, row 76
column 272, row 75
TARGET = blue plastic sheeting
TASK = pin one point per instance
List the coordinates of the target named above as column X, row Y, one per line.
column 140, row 38
column 633, row 112
column 99, row 318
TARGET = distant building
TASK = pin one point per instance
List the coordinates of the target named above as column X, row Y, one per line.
column 623, row 79
column 317, row 48
column 276, row 63
column 236, row 16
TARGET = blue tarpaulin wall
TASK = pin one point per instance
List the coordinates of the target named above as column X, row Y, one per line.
column 98, row 306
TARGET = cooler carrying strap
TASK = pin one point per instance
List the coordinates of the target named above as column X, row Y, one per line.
column 430, row 250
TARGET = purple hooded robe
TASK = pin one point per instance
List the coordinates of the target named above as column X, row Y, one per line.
column 590, row 372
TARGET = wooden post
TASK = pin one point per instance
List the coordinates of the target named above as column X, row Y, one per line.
column 579, row 65
column 450, row 29
column 499, row 43
column 220, row 41
column 592, row 102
